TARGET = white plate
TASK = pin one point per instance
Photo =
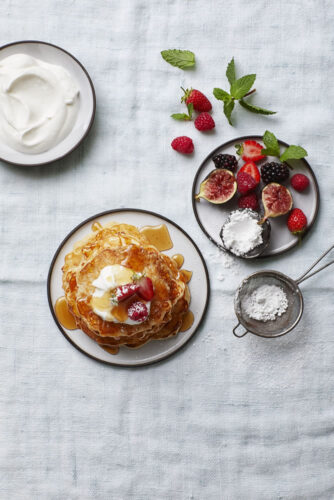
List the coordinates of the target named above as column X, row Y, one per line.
column 55, row 55
column 211, row 217
column 155, row 350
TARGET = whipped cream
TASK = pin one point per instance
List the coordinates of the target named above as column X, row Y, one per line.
column 39, row 103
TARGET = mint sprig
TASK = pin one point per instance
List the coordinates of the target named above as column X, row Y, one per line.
column 184, row 116
column 180, row 58
column 239, row 89
column 272, row 148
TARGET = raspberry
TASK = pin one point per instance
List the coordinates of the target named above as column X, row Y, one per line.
column 204, row 121
column 138, row 312
column 297, row 221
column 299, row 182
column 199, row 101
column 248, row 201
column 226, row 161
column 245, row 183
column 274, row 172
column 183, row 144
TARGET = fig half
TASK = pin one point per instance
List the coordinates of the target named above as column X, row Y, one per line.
column 219, row 187
column 276, row 199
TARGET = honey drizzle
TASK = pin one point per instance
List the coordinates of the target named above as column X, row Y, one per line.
column 158, row 236
column 178, row 259
column 111, row 350
column 186, row 275
column 187, row 321
column 64, row 316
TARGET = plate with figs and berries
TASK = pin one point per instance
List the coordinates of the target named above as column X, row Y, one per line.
column 264, row 176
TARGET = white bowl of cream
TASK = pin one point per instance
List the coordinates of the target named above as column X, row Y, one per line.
column 47, row 103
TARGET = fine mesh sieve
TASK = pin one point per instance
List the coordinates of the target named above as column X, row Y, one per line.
column 282, row 324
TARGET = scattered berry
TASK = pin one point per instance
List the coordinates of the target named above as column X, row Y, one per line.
column 199, row 101
column 274, row 172
column 250, row 151
column 297, row 221
column 251, row 168
column 245, row 182
column 138, row 312
column 125, row 291
column 145, row 288
column 183, row 144
column 299, row 182
column 204, row 121
column 248, row 201
column 226, row 161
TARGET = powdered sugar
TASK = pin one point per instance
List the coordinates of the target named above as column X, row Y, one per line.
column 266, row 303
column 242, row 233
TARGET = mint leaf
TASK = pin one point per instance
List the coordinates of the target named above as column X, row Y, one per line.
column 180, row 116
column 255, row 109
column 228, row 108
column 293, row 153
column 230, row 71
column 240, row 87
column 272, row 147
column 180, row 58
column 221, row 94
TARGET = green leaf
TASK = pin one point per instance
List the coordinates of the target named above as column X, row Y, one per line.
column 230, row 71
column 180, row 116
column 240, row 87
column 255, row 109
column 228, row 108
column 293, row 153
column 239, row 149
column 190, row 107
column 221, row 94
column 180, row 58
column 272, row 147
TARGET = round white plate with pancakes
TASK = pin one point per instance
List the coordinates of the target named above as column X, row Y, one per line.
column 199, row 286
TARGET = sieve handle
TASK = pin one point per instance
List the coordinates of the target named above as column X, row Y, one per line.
column 306, row 275
column 235, row 330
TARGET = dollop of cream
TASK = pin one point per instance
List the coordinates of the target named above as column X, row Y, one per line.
column 39, row 103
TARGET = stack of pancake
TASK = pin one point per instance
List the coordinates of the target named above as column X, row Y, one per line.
column 123, row 244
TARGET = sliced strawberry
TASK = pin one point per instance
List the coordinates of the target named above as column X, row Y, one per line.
column 145, row 288
column 250, row 151
column 251, row 168
column 138, row 312
column 125, row 291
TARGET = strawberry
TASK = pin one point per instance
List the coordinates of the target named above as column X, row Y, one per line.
column 248, row 201
column 299, row 182
column 125, row 291
column 145, row 288
column 183, row 144
column 204, row 121
column 199, row 101
column 245, row 183
column 138, row 312
column 297, row 221
column 250, row 150
column 251, row 168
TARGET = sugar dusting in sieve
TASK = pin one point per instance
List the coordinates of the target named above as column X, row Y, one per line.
column 290, row 318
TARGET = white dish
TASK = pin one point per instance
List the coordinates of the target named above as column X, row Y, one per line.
column 155, row 350
column 211, row 217
column 87, row 102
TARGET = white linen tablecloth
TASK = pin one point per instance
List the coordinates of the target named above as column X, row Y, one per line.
column 224, row 418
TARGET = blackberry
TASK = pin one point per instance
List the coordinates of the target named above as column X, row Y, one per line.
column 274, row 172
column 226, row 161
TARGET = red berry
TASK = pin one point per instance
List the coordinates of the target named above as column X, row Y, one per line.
column 200, row 101
column 299, row 182
column 138, row 312
column 125, row 291
column 204, row 121
column 251, row 168
column 245, row 182
column 248, row 201
column 297, row 221
column 145, row 288
column 250, row 151
column 183, row 145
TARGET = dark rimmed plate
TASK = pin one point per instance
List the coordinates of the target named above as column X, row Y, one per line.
column 199, row 288
column 211, row 217
column 55, row 55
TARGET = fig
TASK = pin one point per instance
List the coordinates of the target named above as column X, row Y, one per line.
column 219, row 186
column 276, row 199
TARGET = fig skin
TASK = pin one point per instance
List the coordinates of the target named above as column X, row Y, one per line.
column 284, row 210
column 209, row 179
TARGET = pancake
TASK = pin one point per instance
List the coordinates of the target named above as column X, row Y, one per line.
column 123, row 252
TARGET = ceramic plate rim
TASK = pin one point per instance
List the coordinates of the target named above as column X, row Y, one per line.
column 109, row 212
column 19, row 42
column 241, row 139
